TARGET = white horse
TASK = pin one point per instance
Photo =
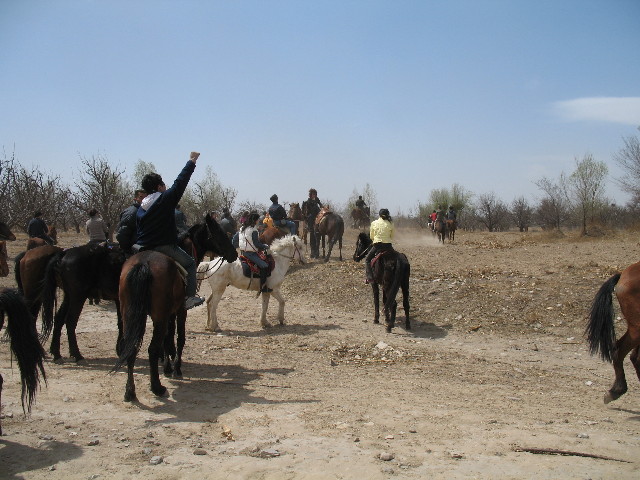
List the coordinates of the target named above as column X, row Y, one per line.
column 221, row 274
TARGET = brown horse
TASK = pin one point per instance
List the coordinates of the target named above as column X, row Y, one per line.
column 29, row 272
column 24, row 344
column 361, row 217
column 440, row 229
column 34, row 242
column 150, row 284
column 600, row 330
column 272, row 233
column 295, row 214
column 391, row 271
column 331, row 225
column 451, row 230
column 5, row 234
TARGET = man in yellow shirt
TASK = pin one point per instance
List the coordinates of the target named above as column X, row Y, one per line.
column 381, row 233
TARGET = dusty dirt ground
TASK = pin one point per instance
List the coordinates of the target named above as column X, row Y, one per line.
column 495, row 361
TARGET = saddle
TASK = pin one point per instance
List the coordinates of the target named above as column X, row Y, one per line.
column 251, row 270
column 324, row 211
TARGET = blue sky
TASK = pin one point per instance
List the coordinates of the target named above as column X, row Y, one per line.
column 280, row 96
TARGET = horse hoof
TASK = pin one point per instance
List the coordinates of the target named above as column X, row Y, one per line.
column 608, row 398
column 161, row 392
column 130, row 397
column 266, row 325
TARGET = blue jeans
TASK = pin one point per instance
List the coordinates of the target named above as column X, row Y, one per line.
column 184, row 259
column 253, row 256
column 290, row 224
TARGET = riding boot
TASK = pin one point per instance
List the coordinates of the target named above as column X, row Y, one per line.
column 263, row 281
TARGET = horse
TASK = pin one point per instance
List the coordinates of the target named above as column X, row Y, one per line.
column 600, row 330
column 29, row 270
column 284, row 250
column 296, row 214
column 272, row 233
column 34, row 242
column 391, row 270
column 451, row 229
column 151, row 284
column 87, row 271
column 5, row 234
column 440, row 229
column 361, row 217
column 331, row 225
column 24, row 345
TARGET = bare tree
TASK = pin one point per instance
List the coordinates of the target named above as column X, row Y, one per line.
column 7, row 168
column 492, row 212
column 629, row 159
column 587, row 186
column 102, row 187
column 140, row 169
column 522, row 213
column 556, row 202
column 206, row 196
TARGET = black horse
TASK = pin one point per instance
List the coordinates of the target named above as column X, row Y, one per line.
column 151, row 285
column 24, row 344
column 332, row 227
column 391, row 269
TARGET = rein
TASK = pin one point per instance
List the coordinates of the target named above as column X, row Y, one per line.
column 218, row 264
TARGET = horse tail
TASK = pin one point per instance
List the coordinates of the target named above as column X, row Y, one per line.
column 24, row 344
column 48, row 294
column 600, row 330
column 138, row 284
column 16, row 271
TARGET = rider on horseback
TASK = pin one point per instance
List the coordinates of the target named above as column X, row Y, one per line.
column 360, row 203
column 381, row 233
column 451, row 214
column 250, row 244
column 156, row 223
column 279, row 216
column 37, row 228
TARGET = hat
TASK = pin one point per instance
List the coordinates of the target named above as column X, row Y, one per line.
column 274, row 198
column 383, row 212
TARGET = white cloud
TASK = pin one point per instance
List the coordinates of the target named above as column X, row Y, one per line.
column 624, row 110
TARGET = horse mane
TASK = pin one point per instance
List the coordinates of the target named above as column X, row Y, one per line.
column 280, row 244
column 364, row 238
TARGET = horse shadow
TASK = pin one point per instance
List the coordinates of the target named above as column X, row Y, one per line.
column 206, row 392
column 275, row 330
column 420, row 329
column 52, row 452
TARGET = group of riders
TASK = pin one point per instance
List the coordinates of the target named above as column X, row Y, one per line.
column 440, row 215
column 154, row 221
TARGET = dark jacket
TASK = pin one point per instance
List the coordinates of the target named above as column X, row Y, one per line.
column 37, row 228
column 276, row 212
column 157, row 225
column 126, row 231
column 312, row 207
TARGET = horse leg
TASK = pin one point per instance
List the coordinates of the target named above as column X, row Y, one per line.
column 392, row 316
column 635, row 359
column 58, row 323
column 130, row 389
column 182, row 327
column 212, row 305
column 278, row 296
column 265, row 305
column 71, row 321
column 376, row 302
column 623, row 346
column 155, row 350
column 405, row 301
column 332, row 241
column 169, row 347
column 340, row 247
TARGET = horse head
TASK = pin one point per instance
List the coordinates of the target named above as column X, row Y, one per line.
column 292, row 245
column 362, row 246
column 218, row 241
column 5, row 232
column 295, row 213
